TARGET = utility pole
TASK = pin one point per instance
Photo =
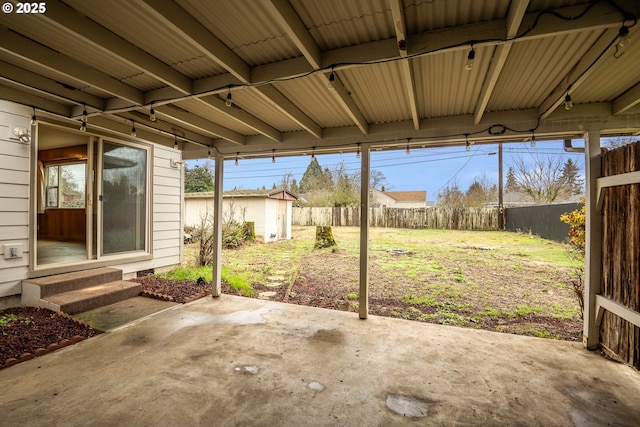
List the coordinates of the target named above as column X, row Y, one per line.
column 501, row 216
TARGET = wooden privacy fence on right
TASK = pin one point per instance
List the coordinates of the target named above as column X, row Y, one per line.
column 619, row 302
column 480, row 219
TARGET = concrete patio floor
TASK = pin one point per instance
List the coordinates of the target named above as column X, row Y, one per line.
column 237, row 361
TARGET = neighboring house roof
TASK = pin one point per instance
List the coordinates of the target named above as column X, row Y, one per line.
column 267, row 194
column 407, row 196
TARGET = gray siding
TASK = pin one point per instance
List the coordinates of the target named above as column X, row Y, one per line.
column 14, row 196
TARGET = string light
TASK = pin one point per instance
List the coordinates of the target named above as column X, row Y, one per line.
column 237, row 154
column 175, row 142
column 358, row 151
column 408, row 150
column 568, row 104
column 228, row 102
column 83, row 125
column 332, row 79
column 624, row 36
column 34, row 119
column 313, row 152
column 152, row 113
column 273, row 156
column 468, row 65
column 209, row 152
column 467, row 145
column 133, row 128
column 533, row 139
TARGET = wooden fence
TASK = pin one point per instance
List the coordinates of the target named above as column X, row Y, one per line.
column 481, row 219
column 621, row 254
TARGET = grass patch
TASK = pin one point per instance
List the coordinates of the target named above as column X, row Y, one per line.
column 523, row 310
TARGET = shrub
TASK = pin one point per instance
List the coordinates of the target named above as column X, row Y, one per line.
column 577, row 221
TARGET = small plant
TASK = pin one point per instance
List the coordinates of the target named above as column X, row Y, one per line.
column 352, row 295
column 8, row 319
column 458, row 276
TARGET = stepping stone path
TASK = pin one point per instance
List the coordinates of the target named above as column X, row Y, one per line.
column 276, row 280
column 267, row 295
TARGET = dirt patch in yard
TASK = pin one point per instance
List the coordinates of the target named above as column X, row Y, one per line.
column 527, row 298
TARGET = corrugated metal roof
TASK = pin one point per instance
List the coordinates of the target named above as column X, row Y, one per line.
column 314, row 98
column 248, row 30
column 132, row 22
column 535, row 68
column 198, row 108
column 445, row 87
column 437, row 14
column 337, row 23
column 255, row 104
column 358, row 33
column 611, row 78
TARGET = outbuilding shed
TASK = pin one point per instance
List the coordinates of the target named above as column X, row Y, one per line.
column 269, row 210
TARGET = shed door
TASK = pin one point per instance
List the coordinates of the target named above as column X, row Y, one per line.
column 282, row 219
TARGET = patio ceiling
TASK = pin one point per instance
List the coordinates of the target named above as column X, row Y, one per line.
column 398, row 68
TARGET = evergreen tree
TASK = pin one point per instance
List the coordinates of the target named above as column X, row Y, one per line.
column 512, row 184
column 571, row 176
column 198, row 179
column 314, row 177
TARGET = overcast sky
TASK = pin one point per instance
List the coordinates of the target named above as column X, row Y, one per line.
column 431, row 169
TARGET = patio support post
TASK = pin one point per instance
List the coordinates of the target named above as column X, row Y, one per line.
column 217, row 226
column 593, row 244
column 364, row 232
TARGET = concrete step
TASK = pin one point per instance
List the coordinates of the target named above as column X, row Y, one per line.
column 42, row 287
column 80, row 300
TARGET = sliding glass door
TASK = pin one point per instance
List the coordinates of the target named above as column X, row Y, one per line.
column 124, row 198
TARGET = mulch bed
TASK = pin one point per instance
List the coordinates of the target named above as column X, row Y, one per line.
column 181, row 291
column 28, row 332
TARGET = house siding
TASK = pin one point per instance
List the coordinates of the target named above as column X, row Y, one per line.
column 15, row 181
column 14, row 196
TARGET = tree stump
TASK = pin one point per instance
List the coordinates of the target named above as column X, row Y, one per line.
column 324, row 237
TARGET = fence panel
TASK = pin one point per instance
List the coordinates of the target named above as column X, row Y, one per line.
column 621, row 254
column 543, row 221
column 436, row 218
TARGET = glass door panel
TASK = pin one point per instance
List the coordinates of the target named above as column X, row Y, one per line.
column 123, row 198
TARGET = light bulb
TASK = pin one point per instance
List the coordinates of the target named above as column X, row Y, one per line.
column 237, row 159
column 468, row 65
column 175, row 143
column 152, row 115
column 568, row 104
column 533, row 140
column 273, row 156
column 84, row 114
column 358, row 152
column 625, row 38
column 228, row 102
column 332, row 78
column 34, row 120
column 83, row 126
column 313, row 152
column 467, row 146
column 408, row 151
column 133, row 128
